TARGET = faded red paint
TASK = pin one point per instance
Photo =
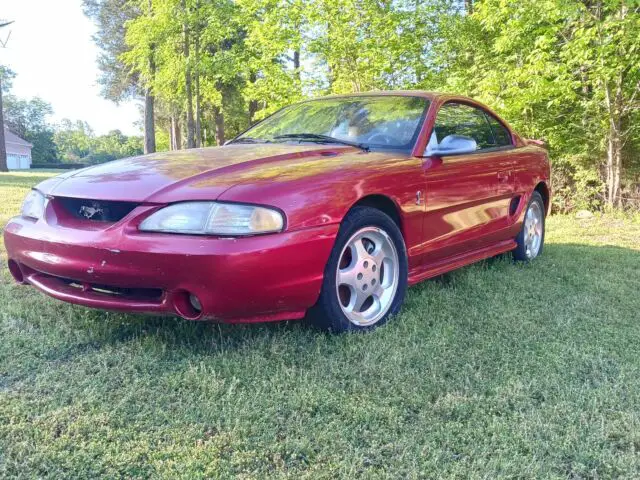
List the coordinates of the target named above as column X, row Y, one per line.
column 464, row 216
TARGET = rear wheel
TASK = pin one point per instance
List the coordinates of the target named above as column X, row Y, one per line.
column 366, row 277
column 531, row 237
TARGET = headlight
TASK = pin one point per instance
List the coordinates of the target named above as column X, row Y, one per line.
column 33, row 205
column 212, row 218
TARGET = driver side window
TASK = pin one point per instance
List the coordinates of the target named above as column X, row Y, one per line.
column 460, row 119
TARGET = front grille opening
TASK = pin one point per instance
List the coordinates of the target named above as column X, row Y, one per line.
column 132, row 293
column 96, row 210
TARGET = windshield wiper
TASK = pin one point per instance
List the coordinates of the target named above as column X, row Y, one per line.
column 314, row 137
column 250, row 140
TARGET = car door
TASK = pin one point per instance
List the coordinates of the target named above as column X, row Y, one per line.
column 467, row 196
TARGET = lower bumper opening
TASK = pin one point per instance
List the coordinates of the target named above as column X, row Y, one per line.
column 144, row 294
column 15, row 271
column 108, row 297
column 187, row 305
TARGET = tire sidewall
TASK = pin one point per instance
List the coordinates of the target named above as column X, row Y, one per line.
column 520, row 252
column 328, row 312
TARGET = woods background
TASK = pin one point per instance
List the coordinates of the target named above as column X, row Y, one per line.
column 566, row 71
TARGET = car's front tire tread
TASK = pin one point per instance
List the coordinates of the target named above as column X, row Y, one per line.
column 327, row 313
column 520, row 252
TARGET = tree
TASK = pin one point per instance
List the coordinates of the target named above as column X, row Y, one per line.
column 77, row 142
column 28, row 119
column 562, row 70
column 199, row 62
column 118, row 81
column 6, row 75
column 74, row 140
column 566, row 71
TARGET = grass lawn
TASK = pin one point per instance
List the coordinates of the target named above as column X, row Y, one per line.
column 496, row 370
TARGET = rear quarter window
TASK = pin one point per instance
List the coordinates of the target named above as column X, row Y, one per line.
column 500, row 133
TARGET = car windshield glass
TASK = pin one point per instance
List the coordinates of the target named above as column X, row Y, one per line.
column 391, row 122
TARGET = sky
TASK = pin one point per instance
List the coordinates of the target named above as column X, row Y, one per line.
column 54, row 57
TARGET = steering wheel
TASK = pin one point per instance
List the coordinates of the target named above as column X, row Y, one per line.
column 386, row 139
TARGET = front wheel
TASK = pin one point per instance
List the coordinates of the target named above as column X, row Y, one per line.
column 530, row 240
column 365, row 279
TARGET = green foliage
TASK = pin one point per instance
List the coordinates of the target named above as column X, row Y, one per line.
column 110, row 16
column 76, row 142
column 6, row 78
column 548, row 67
column 28, row 119
column 567, row 71
column 69, row 142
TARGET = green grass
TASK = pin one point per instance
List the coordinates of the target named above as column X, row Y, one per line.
column 495, row 370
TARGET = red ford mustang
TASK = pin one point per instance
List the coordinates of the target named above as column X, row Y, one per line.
column 330, row 207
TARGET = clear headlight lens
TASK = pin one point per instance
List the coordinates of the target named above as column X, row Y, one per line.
column 33, row 205
column 212, row 218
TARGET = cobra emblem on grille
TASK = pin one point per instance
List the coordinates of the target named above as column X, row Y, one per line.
column 89, row 212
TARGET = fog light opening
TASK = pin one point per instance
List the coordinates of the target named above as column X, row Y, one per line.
column 15, row 271
column 187, row 305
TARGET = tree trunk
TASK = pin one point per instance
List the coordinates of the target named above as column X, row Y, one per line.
column 178, row 134
column 149, row 124
column 609, row 170
column 219, row 120
column 253, row 109
column 197, row 79
column 468, row 6
column 3, row 147
column 614, row 144
column 296, row 64
column 172, row 133
column 176, row 140
column 191, row 143
column 197, row 88
column 149, row 101
column 253, row 104
column 614, row 169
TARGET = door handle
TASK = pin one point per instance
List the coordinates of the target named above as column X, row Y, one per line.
column 503, row 177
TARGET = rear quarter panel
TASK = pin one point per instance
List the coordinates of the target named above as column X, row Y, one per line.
column 531, row 168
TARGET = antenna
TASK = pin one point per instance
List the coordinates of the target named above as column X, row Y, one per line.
column 5, row 40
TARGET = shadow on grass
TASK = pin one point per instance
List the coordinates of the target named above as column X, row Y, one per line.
column 177, row 337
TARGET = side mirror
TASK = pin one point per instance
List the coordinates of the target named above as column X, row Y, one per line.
column 453, row 145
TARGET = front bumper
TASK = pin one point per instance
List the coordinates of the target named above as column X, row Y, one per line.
column 117, row 267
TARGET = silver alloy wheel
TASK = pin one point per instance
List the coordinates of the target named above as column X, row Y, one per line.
column 367, row 276
column 533, row 225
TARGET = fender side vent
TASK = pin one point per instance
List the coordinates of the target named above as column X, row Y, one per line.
column 513, row 206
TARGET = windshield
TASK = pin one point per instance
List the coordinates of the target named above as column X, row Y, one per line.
column 391, row 122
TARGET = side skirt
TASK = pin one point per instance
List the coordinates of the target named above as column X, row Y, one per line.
column 457, row 261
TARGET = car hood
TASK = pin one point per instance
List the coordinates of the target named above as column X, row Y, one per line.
column 203, row 173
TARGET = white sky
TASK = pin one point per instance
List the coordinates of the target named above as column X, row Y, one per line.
column 54, row 57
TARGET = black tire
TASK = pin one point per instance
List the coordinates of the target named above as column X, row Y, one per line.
column 327, row 314
column 520, row 252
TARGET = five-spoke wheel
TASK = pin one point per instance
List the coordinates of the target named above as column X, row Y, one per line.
column 366, row 277
column 530, row 240
column 533, row 227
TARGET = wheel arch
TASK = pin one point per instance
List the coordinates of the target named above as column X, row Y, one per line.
column 383, row 203
column 543, row 190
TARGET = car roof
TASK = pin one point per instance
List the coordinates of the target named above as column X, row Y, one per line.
column 383, row 93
